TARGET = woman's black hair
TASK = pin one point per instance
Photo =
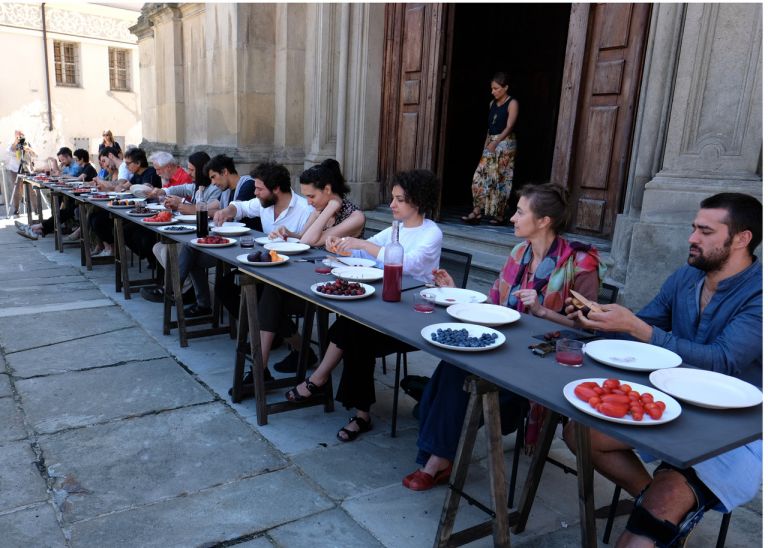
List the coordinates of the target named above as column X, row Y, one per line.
column 548, row 200
column 327, row 173
column 199, row 159
column 420, row 187
column 501, row 78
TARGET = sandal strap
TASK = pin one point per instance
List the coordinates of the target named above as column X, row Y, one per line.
column 312, row 387
column 364, row 425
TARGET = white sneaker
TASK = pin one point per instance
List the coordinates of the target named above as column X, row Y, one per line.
column 103, row 253
column 28, row 233
column 20, row 225
column 74, row 237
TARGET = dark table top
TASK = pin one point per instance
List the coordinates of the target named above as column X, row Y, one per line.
column 696, row 435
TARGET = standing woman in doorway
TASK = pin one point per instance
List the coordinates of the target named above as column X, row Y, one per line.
column 492, row 182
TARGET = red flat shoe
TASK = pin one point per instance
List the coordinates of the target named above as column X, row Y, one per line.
column 421, row 481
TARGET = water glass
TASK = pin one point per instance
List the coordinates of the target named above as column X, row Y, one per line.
column 424, row 303
column 569, row 353
column 247, row 241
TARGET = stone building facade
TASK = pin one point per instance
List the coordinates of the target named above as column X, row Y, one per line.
column 300, row 82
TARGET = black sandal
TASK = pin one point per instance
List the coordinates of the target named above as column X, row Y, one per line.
column 364, row 425
column 293, row 393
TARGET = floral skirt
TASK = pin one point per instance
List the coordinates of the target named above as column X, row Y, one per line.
column 492, row 182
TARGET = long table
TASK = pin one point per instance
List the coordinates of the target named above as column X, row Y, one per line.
column 698, row 434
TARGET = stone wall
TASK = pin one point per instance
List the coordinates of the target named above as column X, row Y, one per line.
column 698, row 132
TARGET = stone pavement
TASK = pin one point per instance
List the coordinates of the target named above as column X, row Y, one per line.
column 112, row 435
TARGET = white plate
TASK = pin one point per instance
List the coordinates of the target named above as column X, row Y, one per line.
column 266, row 240
column 707, row 388
column 287, row 248
column 230, row 230
column 446, row 296
column 672, row 411
column 472, row 329
column 186, row 218
column 358, row 273
column 230, row 241
column 483, row 314
column 232, row 223
column 176, row 229
column 369, row 290
column 348, row 261
column 94, row 199
column 163, row 223
column 244, row 259
column 140, row 202
column 156, row 207
column 632, row 355
column 147, row 214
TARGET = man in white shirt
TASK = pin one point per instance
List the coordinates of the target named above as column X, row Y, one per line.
column 275, row 203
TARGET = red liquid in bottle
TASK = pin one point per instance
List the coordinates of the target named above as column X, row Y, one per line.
column 393, row 276
column 571, row 359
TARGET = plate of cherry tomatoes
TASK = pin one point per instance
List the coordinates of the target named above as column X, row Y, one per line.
column 623, row 402
column 162, row 218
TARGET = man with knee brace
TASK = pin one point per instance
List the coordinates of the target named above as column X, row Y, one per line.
column 710, row 313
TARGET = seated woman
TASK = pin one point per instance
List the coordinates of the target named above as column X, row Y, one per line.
column 414, row 193
column 334, row 216
column 536, row 279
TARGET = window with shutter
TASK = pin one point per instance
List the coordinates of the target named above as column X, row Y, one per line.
column 119, row 69
column 66, row 60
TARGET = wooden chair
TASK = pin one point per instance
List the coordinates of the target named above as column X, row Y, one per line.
column 458, row 264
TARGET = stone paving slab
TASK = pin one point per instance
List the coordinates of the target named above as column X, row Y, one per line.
column 37, row 296
column 11, row 421
column 34, row 526
column 88, row 397
column 374, row 462
column 324, row 530
column 33, row 330
column 61, row 281
column 5, row 382
column 20, row 481
column 205, row 518
column 53, row 271
column 142, row 460
column 258, row 542
column 93, row 351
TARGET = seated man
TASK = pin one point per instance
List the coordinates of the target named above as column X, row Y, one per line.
column 66, row 164
column 710, row 313
column 275, row 204
column 171, row 173
column 116, row 164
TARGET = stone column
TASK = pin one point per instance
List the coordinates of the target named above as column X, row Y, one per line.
column 169, row 74
column 145, row 33
column 713, row 141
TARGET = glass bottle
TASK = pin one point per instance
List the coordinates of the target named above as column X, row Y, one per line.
column 393, row 266
column 201, row 208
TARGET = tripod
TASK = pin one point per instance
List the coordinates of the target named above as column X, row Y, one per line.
column 26, row 167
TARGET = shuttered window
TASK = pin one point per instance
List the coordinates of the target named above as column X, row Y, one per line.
column 119, row 69
column 66, row 59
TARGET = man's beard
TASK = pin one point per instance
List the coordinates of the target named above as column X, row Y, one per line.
column 714, row 261
column 268, row 202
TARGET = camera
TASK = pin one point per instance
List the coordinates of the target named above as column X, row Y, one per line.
column 21, row 144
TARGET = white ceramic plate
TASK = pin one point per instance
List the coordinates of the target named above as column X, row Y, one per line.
column 632, row 355
column 147, row 214
column 244, row 259
column 472, row 329
column 446, row 296
column 672, row 411
column 266, row 240
column 232, row 223
column 707, row 388
column 163, row 223
column 230, row 230
column 179, row 229
column 139, row 202
column 369, row 290
column 483, row 314
column 358, row 273
column 287, row 248
column 186, row 218
column 94, row 199
column 156, row 207
column 230, row 241
column 348, row 261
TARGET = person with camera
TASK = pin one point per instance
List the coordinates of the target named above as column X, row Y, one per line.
column 20, row 160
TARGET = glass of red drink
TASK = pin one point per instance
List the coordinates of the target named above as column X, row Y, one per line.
column 424, row 303
column 569, row 353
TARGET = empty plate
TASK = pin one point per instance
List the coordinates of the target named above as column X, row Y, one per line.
column 287, row 248
column 483, row 314
column 632, row 355
column 446, row 296
column 230, row 230
column 706, row 388
column 358, row 273
column 267, row 240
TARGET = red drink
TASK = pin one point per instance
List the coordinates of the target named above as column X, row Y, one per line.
column 424, row 308
column 569, row 358
column 393, row 277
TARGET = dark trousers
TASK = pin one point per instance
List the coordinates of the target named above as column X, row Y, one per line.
column 276, row 308
column 66, row 213
column 101, row 225
column 442, row 408
column 361, row 347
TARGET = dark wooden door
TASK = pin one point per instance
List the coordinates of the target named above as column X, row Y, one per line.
column 412, row 76
column 610, row 80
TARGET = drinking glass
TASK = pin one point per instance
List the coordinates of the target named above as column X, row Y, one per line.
column 569, row 353
column 247, row 241
column 424, row 303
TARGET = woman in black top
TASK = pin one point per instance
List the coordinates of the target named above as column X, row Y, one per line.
column 109, row 141
column 492, row 182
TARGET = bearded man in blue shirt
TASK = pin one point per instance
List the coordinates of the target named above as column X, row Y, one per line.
column 710, row 313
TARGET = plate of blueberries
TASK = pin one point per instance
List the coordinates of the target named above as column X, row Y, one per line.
column 464, row 337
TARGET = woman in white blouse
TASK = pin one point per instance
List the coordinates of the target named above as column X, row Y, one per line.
column 414, row 193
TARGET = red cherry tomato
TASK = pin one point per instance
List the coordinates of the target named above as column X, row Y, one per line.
column 584, row 393
column 594, row 401
column 615, row 398
column 637, row 415
column 633, row 395
column 599, row 390
column 615, row 410
column 661, row 405
column 646, row 397
column 610, row 384
column 625, row 388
